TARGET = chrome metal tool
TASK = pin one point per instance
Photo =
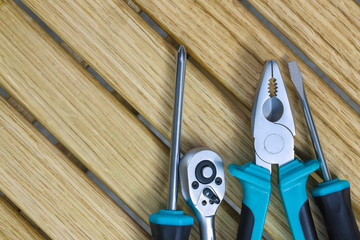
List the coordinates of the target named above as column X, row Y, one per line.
column 202, row 182
column 332, row 195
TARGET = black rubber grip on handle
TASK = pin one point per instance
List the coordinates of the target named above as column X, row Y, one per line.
column 307, row 222
column 170, row 232
column 246, row 223
column 338, row 215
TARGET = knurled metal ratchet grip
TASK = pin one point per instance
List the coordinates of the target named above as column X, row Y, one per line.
column 273, row 130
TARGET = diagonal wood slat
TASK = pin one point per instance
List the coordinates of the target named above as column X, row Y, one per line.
column 48, row 188
column 224, row 36
column 13, row 225
column 134, row 67
column 226, row 120
column 225, row 28
column 219, row 23
column 87, row 119
column 32, row 120
column 327, row 31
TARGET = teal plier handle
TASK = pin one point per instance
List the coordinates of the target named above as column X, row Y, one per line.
column 256, row 183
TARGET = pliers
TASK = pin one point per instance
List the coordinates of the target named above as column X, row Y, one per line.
column 273, row 129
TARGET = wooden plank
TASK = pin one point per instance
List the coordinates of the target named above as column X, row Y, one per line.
column 224, row 36
column 48, row 188
column 126, row 64
column 159, row 101
column 88, row 120
column 220, row 24
column 32, row 120
column 328, row 32
column 15, row 226
column 135, row 66
column 223, row 31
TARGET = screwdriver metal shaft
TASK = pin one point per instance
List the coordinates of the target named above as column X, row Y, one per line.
column 297, row 80
column 171, row 223
column 176, row 128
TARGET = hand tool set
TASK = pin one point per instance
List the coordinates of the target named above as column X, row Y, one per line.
column 202, row 177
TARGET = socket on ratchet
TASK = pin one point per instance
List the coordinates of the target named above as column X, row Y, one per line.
column 202, row 182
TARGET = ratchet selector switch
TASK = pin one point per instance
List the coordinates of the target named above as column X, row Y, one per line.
column 211, row 195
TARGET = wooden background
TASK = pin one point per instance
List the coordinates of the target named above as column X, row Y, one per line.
column 99, row 80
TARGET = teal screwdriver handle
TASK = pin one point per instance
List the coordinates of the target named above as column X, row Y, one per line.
column 333, row 199
column 256, row 184
column 292, row 186
column 168, row 224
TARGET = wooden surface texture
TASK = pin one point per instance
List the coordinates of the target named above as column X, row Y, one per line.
column 15, row 226
column 134, row 73
column 48, row 188
column 116, row 148
column 228, row 47
column 327, row 31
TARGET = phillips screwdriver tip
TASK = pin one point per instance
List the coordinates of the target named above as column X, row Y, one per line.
column 182, row 54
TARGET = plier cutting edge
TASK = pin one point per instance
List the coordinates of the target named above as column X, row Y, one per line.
column 273, row 130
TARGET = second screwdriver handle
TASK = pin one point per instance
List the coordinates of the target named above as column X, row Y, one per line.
column 333, row 199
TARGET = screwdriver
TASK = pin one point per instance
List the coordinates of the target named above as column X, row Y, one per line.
column 333, row 195
column 171, row 223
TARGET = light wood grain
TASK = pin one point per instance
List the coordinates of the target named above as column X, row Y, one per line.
column 224, row 36
column 32, row 120
column 88, row 120
column 15, row 226
column 225, row 28
column 223, row 39
column 327, row 31
column 159, row 99
column 48, row 188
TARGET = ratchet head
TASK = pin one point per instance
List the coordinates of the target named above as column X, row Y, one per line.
column 202, row 181
column 272, row 119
